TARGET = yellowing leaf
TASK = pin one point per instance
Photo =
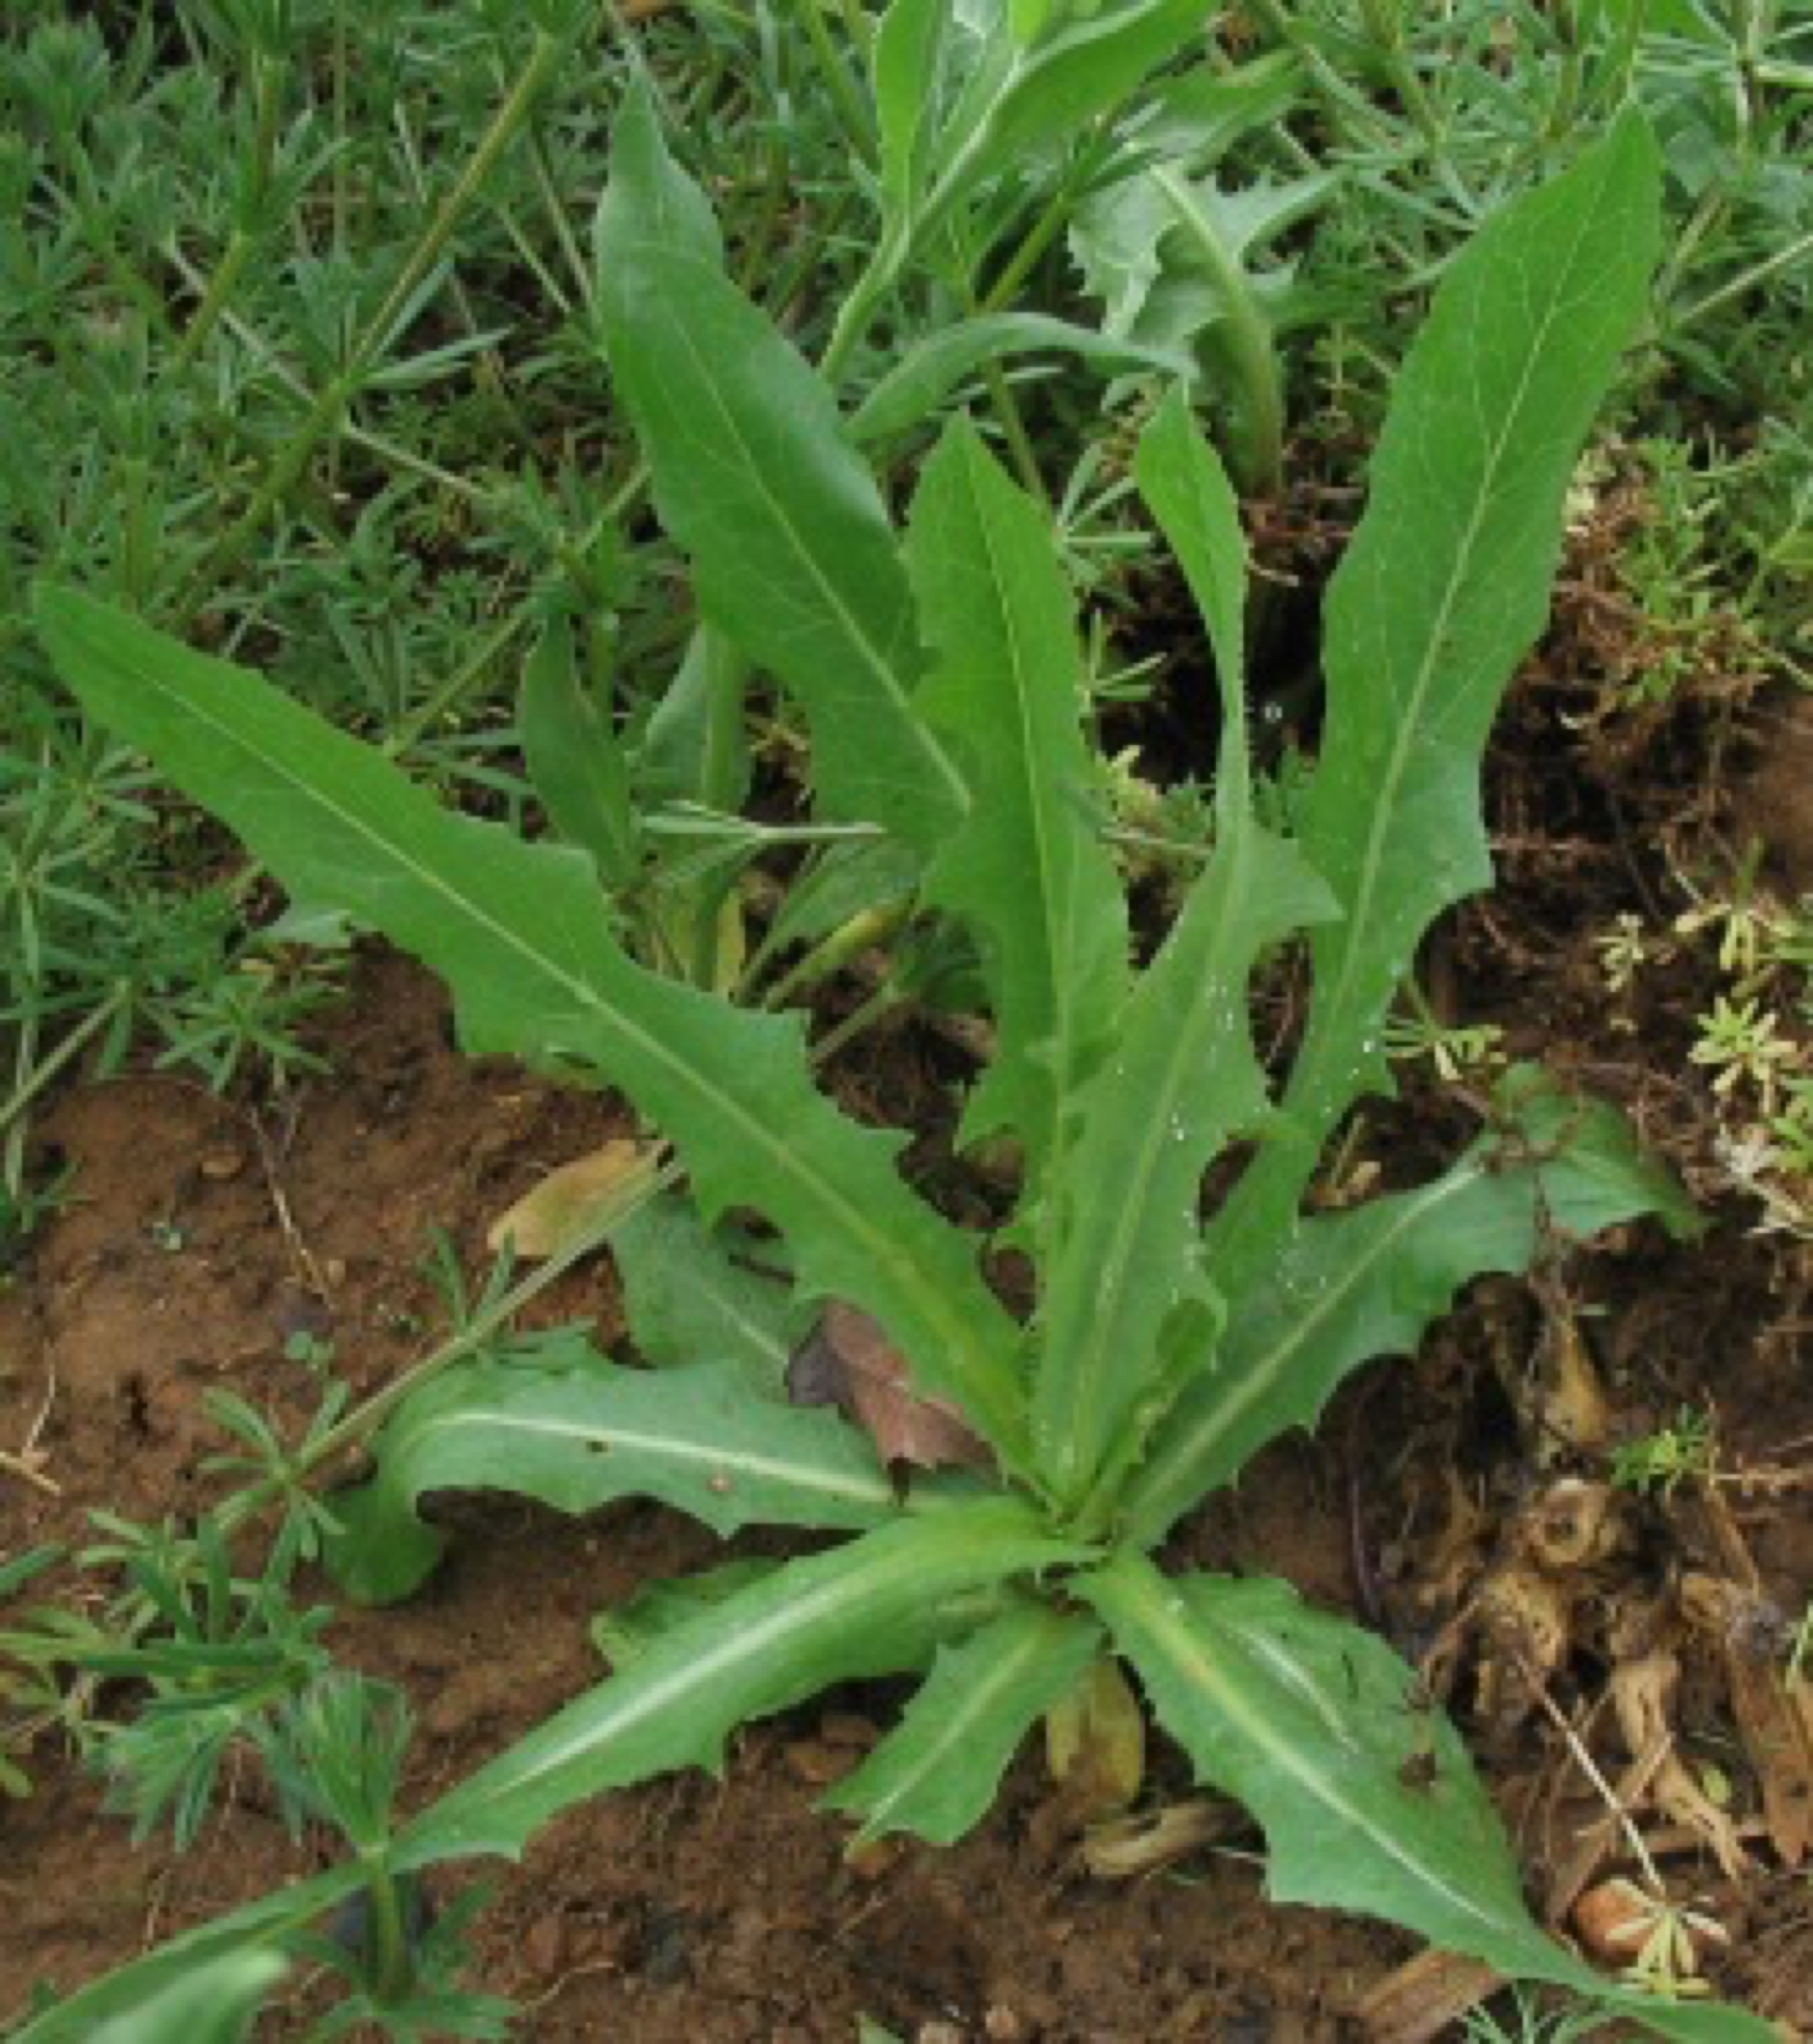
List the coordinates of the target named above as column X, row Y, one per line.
column 576, row 1199
column 1094, row 1742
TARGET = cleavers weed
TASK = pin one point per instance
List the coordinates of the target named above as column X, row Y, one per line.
column 938, row 670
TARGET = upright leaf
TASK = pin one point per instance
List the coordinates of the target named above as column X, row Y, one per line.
column 859, row 1610
column 1183, row 1077
column 1018, row 86
column 793, row 553
column 1347, row 1288
column 937, row 1774
column 517, row 932
column 581, row 1433
column 1443, row 589
column 1026, row 870
column 1048, row 89
column 575, row 759
column 1367, row 1796
column 908, row 59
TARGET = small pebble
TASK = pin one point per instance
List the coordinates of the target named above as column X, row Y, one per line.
column 221, row 1165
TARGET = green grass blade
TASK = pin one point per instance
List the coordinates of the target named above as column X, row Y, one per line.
column 857, row 1610
column 1369, row 1803
column 584, row 1433
column 936, row 1775
column 793, row 553
column 1350, row 1287
column 1025, row 870
column 1443, row 589
column 519, row 932
column 1183, row 1077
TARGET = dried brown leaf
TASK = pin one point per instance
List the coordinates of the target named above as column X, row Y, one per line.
column 1425, row 1997
column 848, row 1361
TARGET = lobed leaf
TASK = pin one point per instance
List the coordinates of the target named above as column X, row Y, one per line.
column 856, row 1610
column 1366, row 1794
column 586, row 1432
column 518, row 932
column 793, row 556
column 1183, row 1077
column 1443, row 589
column 1025, row 870
column 936, row 1775
column 1347, row 1288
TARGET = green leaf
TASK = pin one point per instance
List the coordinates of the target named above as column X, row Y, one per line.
column 1049, row 91
column 516, row 931
column 118, row 1997
column 214, row 2004
column 793, row 553
column 909, row 59
column 1013, row 95
column 936, row 1775
column 849, row 880
column 648, row 196
column 1204, row 291
column 692, row 751
column 1367, row 1796
column 1444, row 588
column 1174, row 258
column 1183, row 1077
column 1347, row 1288
column 586, row 1432
column 914, row 387
column 1025, row 871
column 575, row 759
column 627, row 1631
column 691, row 1292
column 852, row 1612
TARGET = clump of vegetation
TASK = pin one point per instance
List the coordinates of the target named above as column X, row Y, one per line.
column 636, row 837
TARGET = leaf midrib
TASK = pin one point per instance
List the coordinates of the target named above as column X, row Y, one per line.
column 1198, row 1665
column 877, row 1243
column 1130, row 1228
column 1385, row 812
column 856, row 1485
column 872, row 656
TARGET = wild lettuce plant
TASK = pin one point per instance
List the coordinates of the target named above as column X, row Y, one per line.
column 939, row 672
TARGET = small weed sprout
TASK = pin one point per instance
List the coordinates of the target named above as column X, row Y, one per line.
column 1686, row 1451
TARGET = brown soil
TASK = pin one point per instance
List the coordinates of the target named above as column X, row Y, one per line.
column 203, row 1236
